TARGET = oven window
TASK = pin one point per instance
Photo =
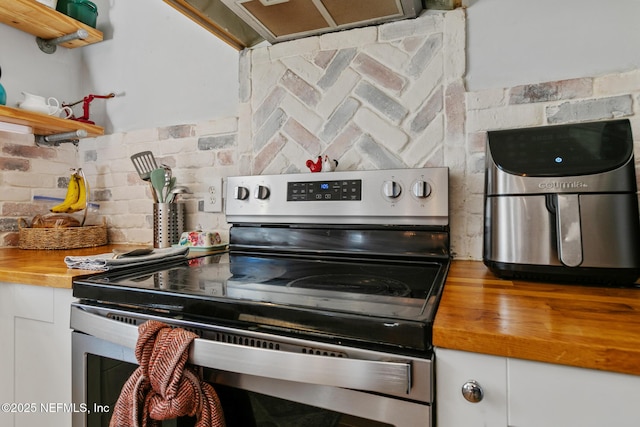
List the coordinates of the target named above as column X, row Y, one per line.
column 106, row 377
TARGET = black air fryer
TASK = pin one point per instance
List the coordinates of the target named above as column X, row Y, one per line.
column 561, row 204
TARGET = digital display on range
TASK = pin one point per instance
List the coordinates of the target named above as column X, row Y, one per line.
column 309, row 191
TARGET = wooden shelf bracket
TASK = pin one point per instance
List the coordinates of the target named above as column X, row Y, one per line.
column 50, row 45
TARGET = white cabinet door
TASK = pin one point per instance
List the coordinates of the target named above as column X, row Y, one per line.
column 35, row 358
column 521, row 393
column 547, row 395
column 6, row 348
column 453, row 370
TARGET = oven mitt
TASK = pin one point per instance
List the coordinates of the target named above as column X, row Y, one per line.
column 105, row 262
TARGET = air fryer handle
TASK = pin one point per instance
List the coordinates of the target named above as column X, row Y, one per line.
column 568, row 229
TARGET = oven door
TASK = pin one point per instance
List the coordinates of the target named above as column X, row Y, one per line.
column 257, row 386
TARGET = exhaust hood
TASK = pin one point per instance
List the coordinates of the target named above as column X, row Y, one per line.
column 281, row 20
column 244, row 23
column 218, row 19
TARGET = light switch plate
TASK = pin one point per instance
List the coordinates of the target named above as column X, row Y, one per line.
column 213, row 197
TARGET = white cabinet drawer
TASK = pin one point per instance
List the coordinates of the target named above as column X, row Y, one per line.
column 547, row 395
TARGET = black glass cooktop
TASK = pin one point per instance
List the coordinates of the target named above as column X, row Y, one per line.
column 388, row 303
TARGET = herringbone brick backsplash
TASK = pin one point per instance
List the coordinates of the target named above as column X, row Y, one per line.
column 371, row 99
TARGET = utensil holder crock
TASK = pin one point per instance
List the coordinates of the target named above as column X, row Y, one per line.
column 168, row 224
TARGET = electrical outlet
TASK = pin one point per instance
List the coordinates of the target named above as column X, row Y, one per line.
column 213, row 197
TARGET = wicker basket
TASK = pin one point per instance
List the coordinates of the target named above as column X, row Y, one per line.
column 87, row 236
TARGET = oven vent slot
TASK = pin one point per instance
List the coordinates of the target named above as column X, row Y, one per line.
column 136, row 322
column 235, row 339
column 196, row 331
column 272, row 345
column 318, row 352
column 123, row 319
column 245, row 341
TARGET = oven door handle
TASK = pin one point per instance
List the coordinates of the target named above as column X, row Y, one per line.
column 393, row 377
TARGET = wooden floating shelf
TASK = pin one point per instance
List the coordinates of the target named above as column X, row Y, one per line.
column 43, row 124
column 44, row 22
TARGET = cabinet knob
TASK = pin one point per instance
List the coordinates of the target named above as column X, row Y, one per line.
column 472, row 391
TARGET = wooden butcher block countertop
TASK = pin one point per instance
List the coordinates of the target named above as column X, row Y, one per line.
column 584, row 326
column 47, row 267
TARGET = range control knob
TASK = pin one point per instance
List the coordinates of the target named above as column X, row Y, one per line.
column 261, row 192
column 241, row 193
column 421, row 189
column 391, row 189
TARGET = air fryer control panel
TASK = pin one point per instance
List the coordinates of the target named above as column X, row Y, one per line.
column 562, row 150
column 582, row 158
column 393, row 196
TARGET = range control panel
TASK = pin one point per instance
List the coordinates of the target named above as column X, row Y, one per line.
column 384, row 197
column 318, row 191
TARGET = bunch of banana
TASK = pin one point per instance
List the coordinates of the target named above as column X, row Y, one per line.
column 76, row 197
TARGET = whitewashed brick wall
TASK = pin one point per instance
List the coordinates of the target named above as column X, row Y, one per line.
column 378, row 97
column 371, row 98
column 199, row 154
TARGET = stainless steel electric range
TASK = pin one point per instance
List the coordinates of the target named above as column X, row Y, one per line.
column 319, row 314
